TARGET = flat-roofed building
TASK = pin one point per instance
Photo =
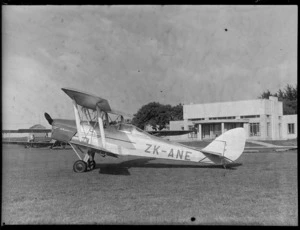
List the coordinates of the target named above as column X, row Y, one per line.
column 261, row 118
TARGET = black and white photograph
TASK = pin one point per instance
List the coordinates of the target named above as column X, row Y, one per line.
column 149, row 115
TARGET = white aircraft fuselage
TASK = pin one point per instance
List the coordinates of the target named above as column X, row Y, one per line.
column 125, row 139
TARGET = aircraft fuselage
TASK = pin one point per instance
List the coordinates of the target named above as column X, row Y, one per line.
column 129, row 140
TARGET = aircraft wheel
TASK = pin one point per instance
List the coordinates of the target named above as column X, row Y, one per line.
column 92, row 164
column 79, row 166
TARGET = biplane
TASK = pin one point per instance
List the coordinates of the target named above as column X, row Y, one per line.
column 93, row 131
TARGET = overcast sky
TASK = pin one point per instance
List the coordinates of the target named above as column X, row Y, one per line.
column 133, row 55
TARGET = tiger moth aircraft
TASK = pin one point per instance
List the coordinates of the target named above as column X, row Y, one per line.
column 94, row 132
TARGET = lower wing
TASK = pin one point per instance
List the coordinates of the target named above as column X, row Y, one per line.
column 96, row 148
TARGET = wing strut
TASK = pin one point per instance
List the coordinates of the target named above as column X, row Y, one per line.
column 100, row 121
column 77, row 119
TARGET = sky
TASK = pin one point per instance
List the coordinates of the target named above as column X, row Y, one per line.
column 133, row 55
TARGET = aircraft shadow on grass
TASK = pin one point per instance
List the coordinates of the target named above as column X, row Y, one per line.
column 123, row 167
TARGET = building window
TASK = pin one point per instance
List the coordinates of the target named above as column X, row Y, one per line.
column 250, row 116
column 254, row 129
column 291, row 128
column 196, row 119
column 221, row 118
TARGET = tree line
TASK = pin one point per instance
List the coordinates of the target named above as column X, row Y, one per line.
column 288, row 96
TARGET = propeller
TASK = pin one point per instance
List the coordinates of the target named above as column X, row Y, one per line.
column 48, row 118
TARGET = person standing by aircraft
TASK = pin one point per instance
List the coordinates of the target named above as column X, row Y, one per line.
column 30, row 140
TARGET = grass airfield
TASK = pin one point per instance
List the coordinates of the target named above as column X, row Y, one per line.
column 40, row 187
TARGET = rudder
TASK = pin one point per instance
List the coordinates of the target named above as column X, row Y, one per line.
column 230, row 145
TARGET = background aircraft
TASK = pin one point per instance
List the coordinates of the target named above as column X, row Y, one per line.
column 32, row 141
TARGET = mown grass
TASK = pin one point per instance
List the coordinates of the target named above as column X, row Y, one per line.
column 39, row 187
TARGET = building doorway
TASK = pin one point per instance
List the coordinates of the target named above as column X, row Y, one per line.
column 211, row 131
column 279, row 130
column 268, row 129
column 228, row 126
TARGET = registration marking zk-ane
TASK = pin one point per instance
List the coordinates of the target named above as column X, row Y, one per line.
column 179, row 154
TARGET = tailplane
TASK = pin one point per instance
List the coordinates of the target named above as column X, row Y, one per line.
column 226, row 148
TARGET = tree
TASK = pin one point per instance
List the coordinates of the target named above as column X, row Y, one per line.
column 163, row 117
column 289, row 107
column 295, row 93
column 177, row 113
column 288, row 96
column 146, row 115
column 279, row 94
column 265, row 95
column 157, row 115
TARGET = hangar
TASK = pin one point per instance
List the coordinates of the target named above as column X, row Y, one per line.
column 24, row 132
column 262, row 119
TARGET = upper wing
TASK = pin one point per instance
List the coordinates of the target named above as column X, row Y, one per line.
column 169, row 132
column 91, row 101
column 87, row 100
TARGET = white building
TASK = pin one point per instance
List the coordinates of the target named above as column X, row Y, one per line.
column 262, row 119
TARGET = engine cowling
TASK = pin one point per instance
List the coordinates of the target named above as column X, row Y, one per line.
column 62, row 130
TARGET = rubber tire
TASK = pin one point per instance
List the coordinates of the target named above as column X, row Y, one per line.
column 92, row 164
column 79, row 166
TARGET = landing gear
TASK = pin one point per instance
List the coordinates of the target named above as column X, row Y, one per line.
column 90, row 161
column 92, row 164
column 80, row 166
column 87, row 163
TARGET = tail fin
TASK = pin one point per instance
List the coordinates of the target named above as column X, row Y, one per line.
column 229, row 146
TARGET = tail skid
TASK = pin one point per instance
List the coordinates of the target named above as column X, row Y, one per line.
column 226, row 148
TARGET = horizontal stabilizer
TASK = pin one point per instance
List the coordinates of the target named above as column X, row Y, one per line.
column 216, row 157
column 212, row 153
